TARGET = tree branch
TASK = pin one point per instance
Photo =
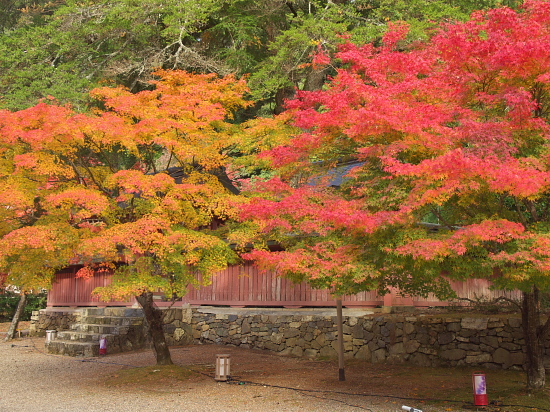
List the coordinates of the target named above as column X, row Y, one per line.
column 495, row 301
column 445, row 223
column 531, row 207
column 520, row 215
column 98, row 185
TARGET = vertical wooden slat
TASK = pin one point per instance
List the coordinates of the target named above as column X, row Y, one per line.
column 246, row 285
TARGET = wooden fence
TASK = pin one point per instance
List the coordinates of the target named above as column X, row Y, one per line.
column 240, row 286
column 68, row 290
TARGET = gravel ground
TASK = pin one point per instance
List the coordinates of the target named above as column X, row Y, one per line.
column 31, row 380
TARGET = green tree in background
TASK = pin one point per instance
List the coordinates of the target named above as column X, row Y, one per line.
column 65, row 48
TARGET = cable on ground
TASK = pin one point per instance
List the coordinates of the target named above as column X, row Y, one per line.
column 307, row 392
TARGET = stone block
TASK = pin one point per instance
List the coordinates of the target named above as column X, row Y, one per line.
column 518, row 358
column 421, row 359
column 330, row 336
column 170, row 315
column 474, row 323
column 411, row 346
column 363, row 353
column 515, row 323
column 222, row 332
column 291, row 342
column 245, row 327
column 321, row 339
column 453, row 354
column 328, row 352
column 277, row 338
column 368, row 324
column 301, row 342
column 478, row 359
column 286, row 352
column 297, row 351
column 179, row 333
column 368, row 336
column 357, row 342
column 453, row 326
column 378, row 356
column 271, row 346
column 510, row 346
column 315, row 345
column 291, row 332
column 507, row 358
column 446, row 338
column 311, row 353
column 397, row 349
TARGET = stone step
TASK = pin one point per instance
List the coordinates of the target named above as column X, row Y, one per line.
column 72, row 336
column 116, row 312
column 111, row 320
column 121, row 327
column 84, row 349
column 101, row 329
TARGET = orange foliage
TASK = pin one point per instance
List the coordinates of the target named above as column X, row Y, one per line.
column 96, row 186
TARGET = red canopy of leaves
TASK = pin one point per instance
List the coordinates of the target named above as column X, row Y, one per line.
column 455, row 128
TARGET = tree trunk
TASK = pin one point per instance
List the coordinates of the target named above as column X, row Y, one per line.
column 16, row 317
column 340, row 320
column 154, row 318
column 534, row 334
column 281, row 97
column 315, row 79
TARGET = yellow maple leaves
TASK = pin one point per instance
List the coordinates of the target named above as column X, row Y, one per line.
column 138, row 179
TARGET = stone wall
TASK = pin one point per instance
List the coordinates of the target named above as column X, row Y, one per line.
column 45, row 319
column 488, row 342
column 178, row 326
column 420, row 339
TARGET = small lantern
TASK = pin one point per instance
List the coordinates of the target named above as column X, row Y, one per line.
column 480, row 389
column 50, row 335
column 223, row 363
column 103, row 346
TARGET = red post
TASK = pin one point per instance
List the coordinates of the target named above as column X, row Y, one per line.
column 480, row 389
column 103, row 346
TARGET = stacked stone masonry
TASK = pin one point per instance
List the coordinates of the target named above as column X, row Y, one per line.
column 44, row 320
column 488, row 342
column 424, row 340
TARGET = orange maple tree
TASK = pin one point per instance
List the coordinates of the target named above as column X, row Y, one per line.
column 134, row 185
column 447, row 144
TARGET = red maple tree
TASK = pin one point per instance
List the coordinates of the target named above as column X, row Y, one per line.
column 449, row 151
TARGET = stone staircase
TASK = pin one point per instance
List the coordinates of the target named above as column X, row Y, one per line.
column 123, row 328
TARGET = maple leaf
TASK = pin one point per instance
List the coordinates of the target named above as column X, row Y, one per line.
column 452, row 132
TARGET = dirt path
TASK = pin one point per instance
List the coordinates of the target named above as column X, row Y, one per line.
column 33, row 380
